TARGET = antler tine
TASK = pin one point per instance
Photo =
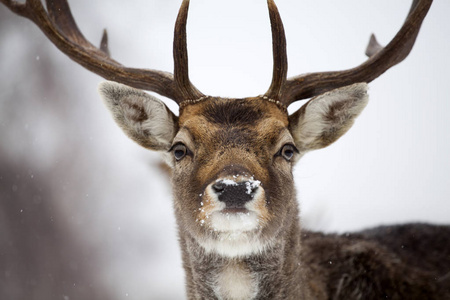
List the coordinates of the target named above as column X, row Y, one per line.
column 60, row 28
column 180, row 56
column 15, row 7
column 59, row 12
column 381, row 59
column 61, row 15
column 373, row 47
column 280, row 64
column 104, row 43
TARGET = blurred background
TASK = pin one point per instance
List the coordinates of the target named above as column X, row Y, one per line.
column 87, row 214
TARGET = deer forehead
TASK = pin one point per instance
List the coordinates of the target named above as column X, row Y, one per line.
column 221, row 122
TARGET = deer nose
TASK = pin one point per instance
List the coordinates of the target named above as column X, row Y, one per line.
column 235, row 194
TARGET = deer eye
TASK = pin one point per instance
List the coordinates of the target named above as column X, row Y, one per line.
column 179, row 151
column 288, row 151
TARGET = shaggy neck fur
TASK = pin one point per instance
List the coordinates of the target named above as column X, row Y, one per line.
column 268, row 275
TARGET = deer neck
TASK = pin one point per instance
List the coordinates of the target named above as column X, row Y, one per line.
column 275, row 273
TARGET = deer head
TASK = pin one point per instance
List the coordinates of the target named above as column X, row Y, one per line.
column 232, row 159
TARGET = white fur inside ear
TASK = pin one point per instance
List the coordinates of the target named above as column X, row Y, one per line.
column 144, row 118
column 327, row 117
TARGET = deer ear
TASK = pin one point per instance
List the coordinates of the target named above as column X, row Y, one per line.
column 324, row 119
column 144, row 118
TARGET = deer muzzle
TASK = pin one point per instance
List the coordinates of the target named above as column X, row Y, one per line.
column 234, row 194
column 233, row 203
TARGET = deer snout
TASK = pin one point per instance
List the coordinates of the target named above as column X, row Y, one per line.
column 235, row 194
column 233, row 203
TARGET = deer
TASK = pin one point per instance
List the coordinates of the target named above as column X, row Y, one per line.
column 231, row 164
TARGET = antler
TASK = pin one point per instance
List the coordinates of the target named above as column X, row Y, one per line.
column 280, row 64
column 58, row 24
column 380, row 59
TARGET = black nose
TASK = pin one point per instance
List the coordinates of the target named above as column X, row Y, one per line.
column 235, row 194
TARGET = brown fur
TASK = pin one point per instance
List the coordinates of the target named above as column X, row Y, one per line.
column 241, row 139
column 332, row 267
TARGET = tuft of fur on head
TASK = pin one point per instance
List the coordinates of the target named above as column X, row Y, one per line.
column 144, row 118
